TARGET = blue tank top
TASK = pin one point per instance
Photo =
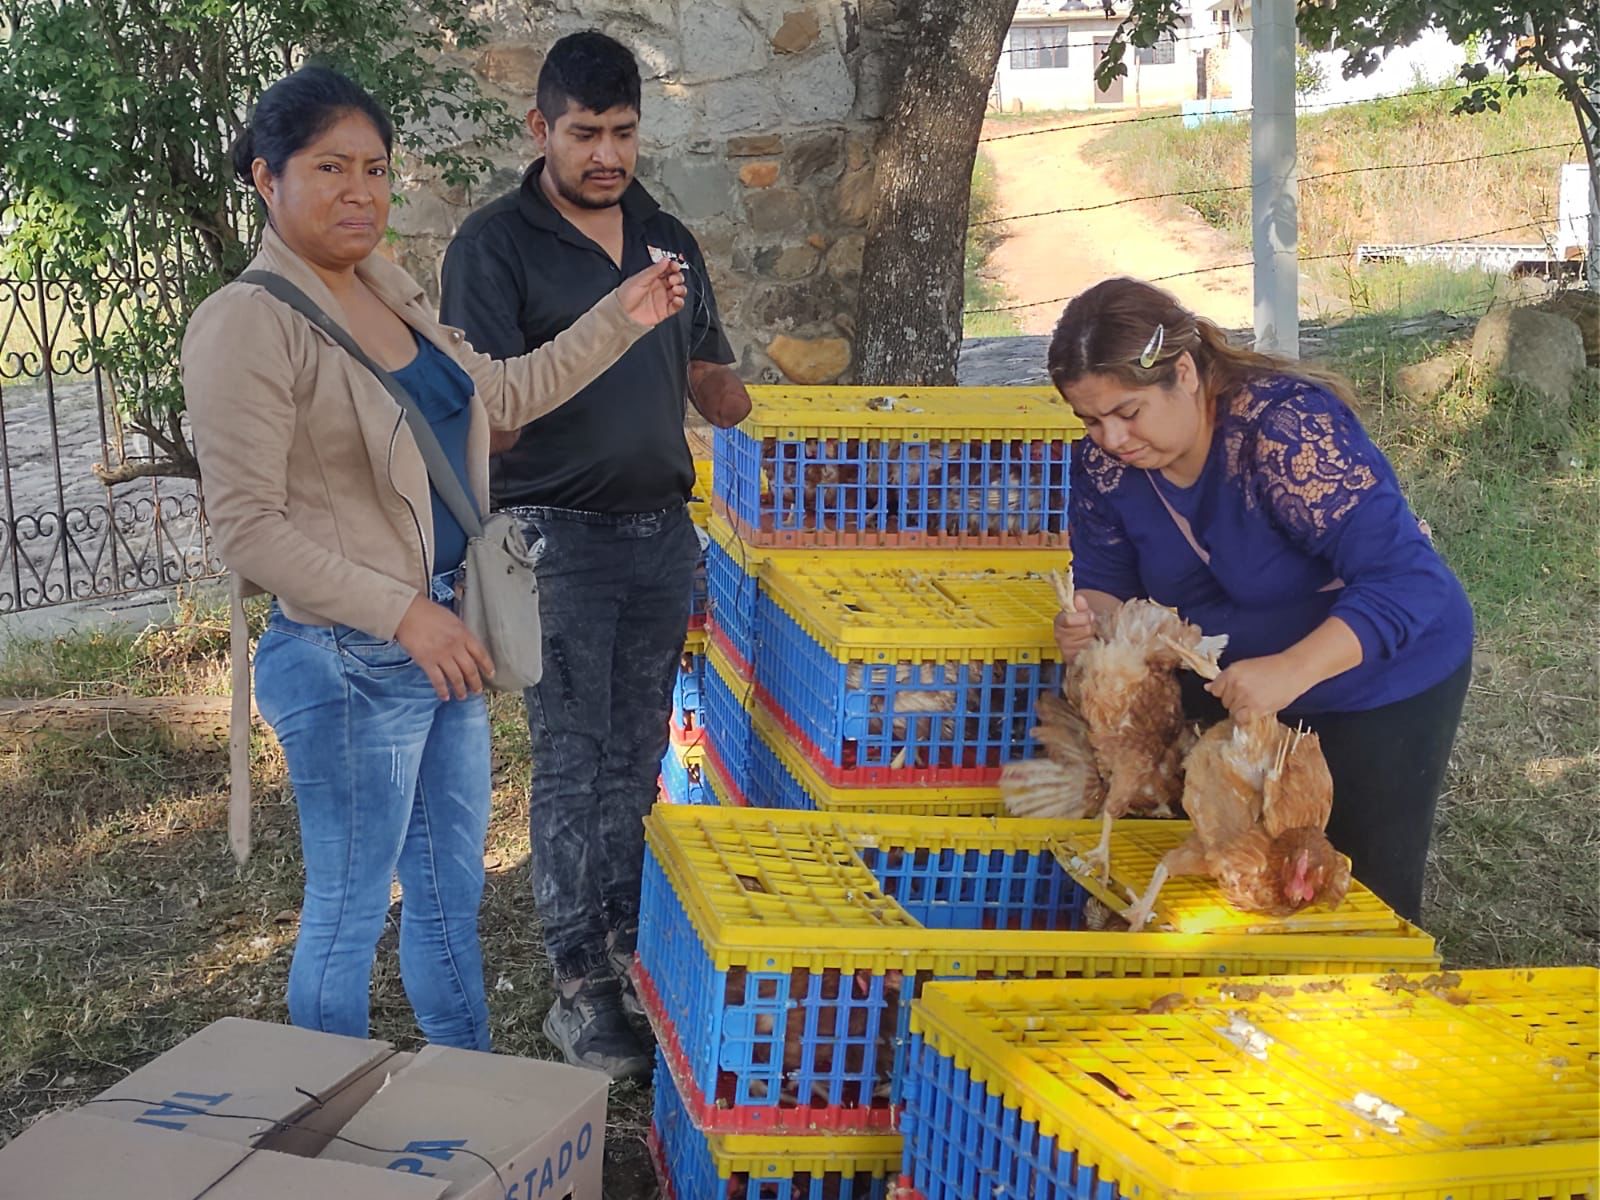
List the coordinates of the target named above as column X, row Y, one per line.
column 443, row 391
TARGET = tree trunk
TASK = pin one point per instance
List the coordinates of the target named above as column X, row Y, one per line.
column 908, row 323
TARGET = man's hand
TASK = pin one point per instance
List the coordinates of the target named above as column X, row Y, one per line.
column 654, row 294
column 718, row 394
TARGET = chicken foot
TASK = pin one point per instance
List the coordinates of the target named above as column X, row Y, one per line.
column 1186, row 858
column 1144, row 908
column 1100, row 857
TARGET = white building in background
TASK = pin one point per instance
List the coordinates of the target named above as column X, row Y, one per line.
column 1432, row 60
column 1053, row 47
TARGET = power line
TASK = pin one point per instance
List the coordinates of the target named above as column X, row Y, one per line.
column 1251, row 262
column 1245, row 187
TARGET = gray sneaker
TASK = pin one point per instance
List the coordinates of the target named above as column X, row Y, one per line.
column 591, row 1030
column 620, row 948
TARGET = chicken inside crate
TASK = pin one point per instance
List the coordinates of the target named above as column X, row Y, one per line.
column 884, row 673
column 930, row 466
column 779, row 951
column 692, row 1165
column 1347, row 1086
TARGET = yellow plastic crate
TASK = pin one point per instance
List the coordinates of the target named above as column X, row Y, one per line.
column 867, row 607
column 697, row 1166
column 1193, row 903
column 778, row 770
column 700, row 501
column 897, row 468
column 764, row 932
column 1480, row 1085
column 757, row 765
column 964, row 413
column 821, row 906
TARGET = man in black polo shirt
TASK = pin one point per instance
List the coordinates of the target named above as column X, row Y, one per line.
column 602, row 484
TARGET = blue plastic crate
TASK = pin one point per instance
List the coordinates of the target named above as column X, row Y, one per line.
column 892, row 490
column 684, row 782
column 699, row 594
column 770, row 784
column 687, row 1160
column 961, row 1141
column 755, row 1047
column 688, row 692
column 958, row 717
column 728, row 722
column 733, row 589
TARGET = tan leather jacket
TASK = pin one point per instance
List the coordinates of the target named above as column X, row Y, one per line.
column 314, row 487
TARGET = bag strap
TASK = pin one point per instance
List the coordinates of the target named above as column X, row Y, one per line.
column 1182, row 522
column 440, row 473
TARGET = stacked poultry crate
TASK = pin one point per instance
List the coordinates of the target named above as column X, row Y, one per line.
column 683, row 778
column 779, row 953
column 880, row 604
column 1444, row 1086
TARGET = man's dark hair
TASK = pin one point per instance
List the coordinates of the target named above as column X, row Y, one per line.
column 295, row 111
column 592, row 71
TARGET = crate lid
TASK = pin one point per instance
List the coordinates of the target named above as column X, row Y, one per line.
column 772, row 890
column 1194, row 903
column 968, row 413
column 872, row 608
column 1297, row 1086
column 755, row 560
column 772, row 1157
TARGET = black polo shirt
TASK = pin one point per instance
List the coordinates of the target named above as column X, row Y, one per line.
column 516, row 275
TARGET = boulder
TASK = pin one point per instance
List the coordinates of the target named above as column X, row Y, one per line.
column 1539, row 351
column 810, row 360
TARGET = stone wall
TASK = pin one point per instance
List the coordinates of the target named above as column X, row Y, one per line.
column 759, row 122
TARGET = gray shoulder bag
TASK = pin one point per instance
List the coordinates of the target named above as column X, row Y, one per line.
column 500, row 599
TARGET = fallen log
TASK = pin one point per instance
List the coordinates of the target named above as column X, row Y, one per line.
column 191, row 722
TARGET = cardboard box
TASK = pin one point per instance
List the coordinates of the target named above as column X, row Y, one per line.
column 252, row 1083
column 453, row 1113
column 82, row 1156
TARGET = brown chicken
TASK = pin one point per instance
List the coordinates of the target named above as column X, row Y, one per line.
column 1115, row 744
column 1259, row 795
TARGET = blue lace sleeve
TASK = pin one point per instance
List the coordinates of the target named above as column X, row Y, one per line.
column 1102, row 557
column 1313, row 463
column 1321, row 480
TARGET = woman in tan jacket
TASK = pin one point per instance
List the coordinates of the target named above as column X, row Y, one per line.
column 316, row 492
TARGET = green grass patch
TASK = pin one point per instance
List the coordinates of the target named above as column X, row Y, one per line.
column 979, row 289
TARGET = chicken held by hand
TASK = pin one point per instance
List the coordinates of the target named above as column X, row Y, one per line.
column 1258, row 795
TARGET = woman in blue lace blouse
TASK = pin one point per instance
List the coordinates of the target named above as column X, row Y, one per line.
column 1241, row 489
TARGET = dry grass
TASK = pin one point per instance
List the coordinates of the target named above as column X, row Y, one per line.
column 1424, row 204
column 1449, row 202
column 1512, row 489
column 124, row 925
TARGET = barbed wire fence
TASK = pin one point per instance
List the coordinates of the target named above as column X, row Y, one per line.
column 1544, row 222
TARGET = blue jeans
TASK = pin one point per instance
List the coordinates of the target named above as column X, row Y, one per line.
column 614, row 605
column 388, row 778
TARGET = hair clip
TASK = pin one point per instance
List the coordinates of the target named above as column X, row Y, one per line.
column 1153, row 348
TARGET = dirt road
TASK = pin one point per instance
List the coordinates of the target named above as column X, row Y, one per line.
column 1062, row 255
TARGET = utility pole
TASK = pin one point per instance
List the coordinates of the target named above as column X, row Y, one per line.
column 1591, row 264
column 1274, row 178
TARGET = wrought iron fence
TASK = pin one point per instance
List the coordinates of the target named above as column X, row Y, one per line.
column 64, row 535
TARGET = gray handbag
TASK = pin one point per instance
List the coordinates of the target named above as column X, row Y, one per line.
column 499, row 602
